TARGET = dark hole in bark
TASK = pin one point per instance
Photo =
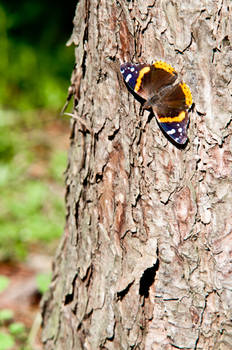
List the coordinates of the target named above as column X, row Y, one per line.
column 111, row 137
column 85, row 182
column 85, row 39
column 226, row 41
column 84, row 64
column 99, row 177
column 68, row 299
column 148, row 279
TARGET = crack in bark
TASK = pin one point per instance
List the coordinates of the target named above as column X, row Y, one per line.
column 228, row 124
column 215, row 49
column 187, row 47
column 112, row 136
column 179, row 347
column 123, row 293
column 201, row 319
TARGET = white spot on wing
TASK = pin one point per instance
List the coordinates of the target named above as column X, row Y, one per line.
column 129, row 76
column 132, row 69
column 180, row 129
column 171, row 132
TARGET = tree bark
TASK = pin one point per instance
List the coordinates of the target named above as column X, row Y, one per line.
column 145, row 261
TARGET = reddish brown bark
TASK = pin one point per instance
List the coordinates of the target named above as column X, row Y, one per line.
column 145, row 262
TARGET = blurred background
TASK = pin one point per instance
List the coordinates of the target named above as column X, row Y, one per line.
column 35, row 71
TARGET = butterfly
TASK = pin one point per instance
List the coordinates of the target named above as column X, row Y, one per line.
column 169, row 101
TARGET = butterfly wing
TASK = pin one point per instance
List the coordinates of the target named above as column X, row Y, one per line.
column 172, row 112
column 131, row 73
column 146, row 80
column 177, row 131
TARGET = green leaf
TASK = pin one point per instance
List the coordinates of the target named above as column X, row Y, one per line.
column 4, row 282
column 43, row 280
column 6, row 341
column 6, row 315
column 17, row 328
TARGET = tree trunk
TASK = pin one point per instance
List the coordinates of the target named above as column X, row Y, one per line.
column 145, row 262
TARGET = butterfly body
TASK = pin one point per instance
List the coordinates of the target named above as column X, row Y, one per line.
column 170, row 101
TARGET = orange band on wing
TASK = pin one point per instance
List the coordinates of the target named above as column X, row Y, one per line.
column 165, row 66
column 177, row 119
column 187, row 93
column 140, row 77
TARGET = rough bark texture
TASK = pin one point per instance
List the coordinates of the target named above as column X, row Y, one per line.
column 146, row 259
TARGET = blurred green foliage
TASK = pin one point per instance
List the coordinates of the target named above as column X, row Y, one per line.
column 31, row 185
column 4, row 282
column 43, row 280
column 35, row 65
column 17, row 329
column 6, row 341
column 35, row 69
column 12, row 333
column 6, row 315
